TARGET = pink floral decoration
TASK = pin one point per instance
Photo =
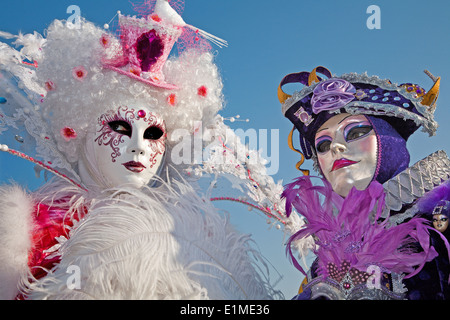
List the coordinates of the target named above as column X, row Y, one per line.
column 105, row 40
column 68, row 133
column 79, row 73
column 49, row 85
column 172, row 99
column 136, row 71
column 155, row 17
column 202, row 91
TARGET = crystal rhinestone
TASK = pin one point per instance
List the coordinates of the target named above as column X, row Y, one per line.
column 385, row 99
column 406, row 105
column 374, row 98
column 397, row 98
column 19, row 138
column 372, row 91
column 3, row 100
column 304, row 117
column 360, row 94
column 387, row 94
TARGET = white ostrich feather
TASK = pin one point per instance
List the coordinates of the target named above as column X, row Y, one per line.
column 16, row 208
column 165, row 243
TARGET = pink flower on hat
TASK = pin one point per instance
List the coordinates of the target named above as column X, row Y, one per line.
column 155, row 17
column 145, row 47
column 79, row 73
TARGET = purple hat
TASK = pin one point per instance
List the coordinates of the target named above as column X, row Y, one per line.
column 404, row 107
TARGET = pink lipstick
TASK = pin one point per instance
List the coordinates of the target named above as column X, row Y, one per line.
column 134, row 166
column 341, row 163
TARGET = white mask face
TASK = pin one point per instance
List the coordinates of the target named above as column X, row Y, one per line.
column 127, row 148
column 346, row 148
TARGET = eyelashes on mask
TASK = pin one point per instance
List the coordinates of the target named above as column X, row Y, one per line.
column 357, row 130
column 353, row 131
column 123, row 127
column 323, row 144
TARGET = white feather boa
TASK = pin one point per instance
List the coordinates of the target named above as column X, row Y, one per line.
column 16, row 223
column 160, row 243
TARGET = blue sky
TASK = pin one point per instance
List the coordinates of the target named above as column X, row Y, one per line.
column 269, row 39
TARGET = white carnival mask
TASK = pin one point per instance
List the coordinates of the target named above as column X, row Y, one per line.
column 126, row 149
column 346, row 149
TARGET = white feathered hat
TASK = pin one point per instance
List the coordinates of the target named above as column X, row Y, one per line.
column 54, row 88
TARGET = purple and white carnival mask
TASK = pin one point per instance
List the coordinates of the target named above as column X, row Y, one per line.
column 346, row 147
column 126, row 149
column 440, row 222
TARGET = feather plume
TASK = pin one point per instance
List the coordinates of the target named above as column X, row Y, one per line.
column 427, row 203
column 16, row 224
column 350, row 229
column 159, row 243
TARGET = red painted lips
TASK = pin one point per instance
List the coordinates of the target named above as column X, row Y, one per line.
column 134, row 166
column 341, row 163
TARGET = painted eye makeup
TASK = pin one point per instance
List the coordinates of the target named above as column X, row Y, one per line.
column 121, row 127
column 357, row 130
column 323, row 144
column 153, row 133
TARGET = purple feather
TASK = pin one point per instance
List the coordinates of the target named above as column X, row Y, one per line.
column 345, row 233
column 427, row 203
